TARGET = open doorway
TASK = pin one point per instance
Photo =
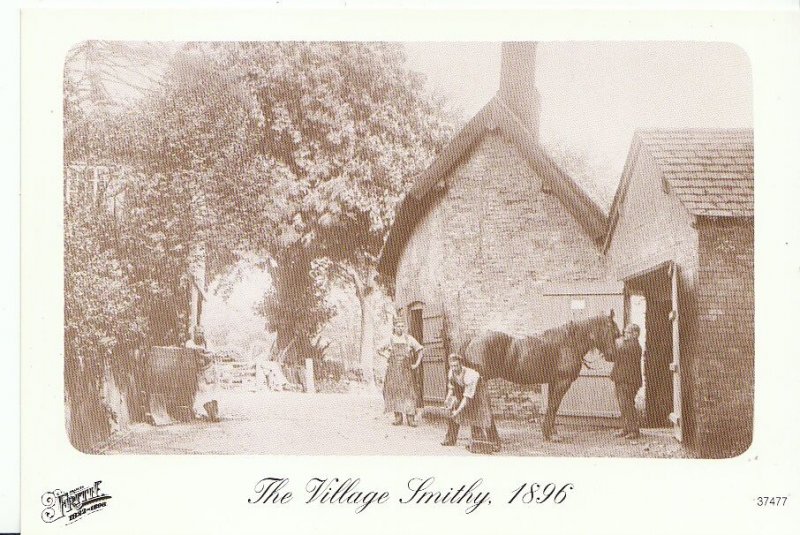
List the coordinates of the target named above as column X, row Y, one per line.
column 415, row 326
column 649, row 304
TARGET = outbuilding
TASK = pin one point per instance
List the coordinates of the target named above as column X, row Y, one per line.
column 495, row 235
column 680, row 238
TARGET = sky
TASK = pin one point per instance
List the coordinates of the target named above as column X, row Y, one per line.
column 231, row 321
column 595, row 95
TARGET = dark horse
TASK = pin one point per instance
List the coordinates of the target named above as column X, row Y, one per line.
column 553, row 357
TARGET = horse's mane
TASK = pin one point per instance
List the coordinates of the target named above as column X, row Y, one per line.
column 562, row 331
column 553, row 335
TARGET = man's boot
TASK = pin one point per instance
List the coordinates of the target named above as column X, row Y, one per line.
column 452, row 434
column 398, row 418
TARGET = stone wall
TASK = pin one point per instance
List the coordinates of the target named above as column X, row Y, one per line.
column 715, row 262
column 653, row 228
column 725, row 352
column 487, row 248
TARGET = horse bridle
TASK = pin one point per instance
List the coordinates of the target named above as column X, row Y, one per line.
column 587, row 362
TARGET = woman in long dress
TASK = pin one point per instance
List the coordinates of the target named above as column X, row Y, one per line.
column 399, row 389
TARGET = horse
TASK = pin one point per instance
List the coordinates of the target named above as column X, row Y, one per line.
column 554, row 357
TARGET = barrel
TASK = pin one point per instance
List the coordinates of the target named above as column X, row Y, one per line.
column 171, row 383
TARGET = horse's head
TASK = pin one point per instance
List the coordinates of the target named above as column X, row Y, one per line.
column 604, row 334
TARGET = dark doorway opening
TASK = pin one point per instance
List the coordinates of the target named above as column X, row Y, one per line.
column 654, row 289
column 415, row 325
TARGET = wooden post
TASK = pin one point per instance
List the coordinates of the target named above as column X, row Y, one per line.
column 310, row 387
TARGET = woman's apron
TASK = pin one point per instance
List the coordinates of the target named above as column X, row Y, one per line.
column 399, row 392
column 478, row 411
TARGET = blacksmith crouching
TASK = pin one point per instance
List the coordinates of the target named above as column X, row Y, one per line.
column 468, row 403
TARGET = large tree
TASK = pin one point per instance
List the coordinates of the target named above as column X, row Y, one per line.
column 346, row 128
column 197, row 126
column 298, row 152
column 103, row 312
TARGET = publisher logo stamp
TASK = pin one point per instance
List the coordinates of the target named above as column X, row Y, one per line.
column 75, row 504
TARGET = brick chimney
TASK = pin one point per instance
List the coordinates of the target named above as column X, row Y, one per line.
column 517, row 83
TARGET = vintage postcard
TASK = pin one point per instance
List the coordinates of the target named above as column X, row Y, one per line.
column 297, row 271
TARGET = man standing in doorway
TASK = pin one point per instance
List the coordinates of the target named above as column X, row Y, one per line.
column 627, row 377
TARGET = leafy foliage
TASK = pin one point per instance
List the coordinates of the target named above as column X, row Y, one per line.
column 102, row 311
column 296, row 152
column 577, row 165
column 154, row 240
column 346, row 127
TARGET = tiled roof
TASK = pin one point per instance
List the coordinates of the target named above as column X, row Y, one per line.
column 710, row 171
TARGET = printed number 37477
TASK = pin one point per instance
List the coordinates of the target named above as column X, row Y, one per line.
column 771, row 500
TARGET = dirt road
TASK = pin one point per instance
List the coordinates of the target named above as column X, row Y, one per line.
column 286, row 423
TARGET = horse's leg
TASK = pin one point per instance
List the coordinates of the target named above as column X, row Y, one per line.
column 555, row 393
column 476, row 432
column 493, row 436
column 550, row 416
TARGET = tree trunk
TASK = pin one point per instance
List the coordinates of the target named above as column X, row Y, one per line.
column 365, row 291
column 197, row 253
column 367, row 339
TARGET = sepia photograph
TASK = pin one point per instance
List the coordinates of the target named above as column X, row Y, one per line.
column 518, row 248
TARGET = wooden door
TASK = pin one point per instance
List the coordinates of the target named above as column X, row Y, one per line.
column 592, row 393
column 676, row 416
column 434, row 360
